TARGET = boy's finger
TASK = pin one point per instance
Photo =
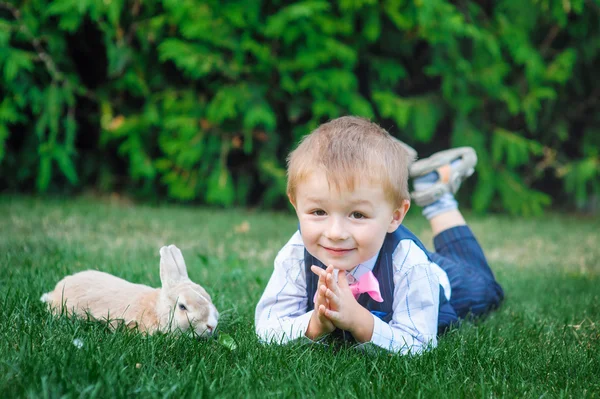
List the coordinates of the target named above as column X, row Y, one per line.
column 320, row 294
column 332, row 315
column 323, row 277
column 317, row 270
column 333, row 298
column 331, row 284
column 322, row 291
column 322, row 310
column 342, row 279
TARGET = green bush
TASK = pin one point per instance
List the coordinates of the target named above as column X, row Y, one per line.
column 200, row 100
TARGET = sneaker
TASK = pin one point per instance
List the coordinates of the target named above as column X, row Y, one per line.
column 449, row 178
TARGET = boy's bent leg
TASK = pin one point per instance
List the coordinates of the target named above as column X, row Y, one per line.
column 437, row 178
column 474, row 287
column 446, row 220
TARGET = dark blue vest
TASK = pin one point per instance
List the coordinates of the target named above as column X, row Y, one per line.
column 384, row 272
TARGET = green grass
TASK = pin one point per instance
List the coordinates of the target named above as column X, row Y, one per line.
column 543, row 341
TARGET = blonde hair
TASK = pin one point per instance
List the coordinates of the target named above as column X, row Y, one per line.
column 347, row 150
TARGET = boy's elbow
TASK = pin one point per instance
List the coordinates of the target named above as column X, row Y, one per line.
column 268, row 335
column 261, row 329
column 261, row 336
column 417, row 345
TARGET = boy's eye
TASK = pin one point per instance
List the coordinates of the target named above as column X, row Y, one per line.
column 182, row 307
column 319, row 212
column 358, row 215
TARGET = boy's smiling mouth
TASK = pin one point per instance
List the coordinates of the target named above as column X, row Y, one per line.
column 337, row 251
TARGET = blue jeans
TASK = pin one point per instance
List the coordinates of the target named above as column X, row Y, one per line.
column 475, row 290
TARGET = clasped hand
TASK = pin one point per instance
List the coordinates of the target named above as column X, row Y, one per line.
column 336, row 307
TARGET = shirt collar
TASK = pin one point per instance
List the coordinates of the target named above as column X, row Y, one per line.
column 365, row 267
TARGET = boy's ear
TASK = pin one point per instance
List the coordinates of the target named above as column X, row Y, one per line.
column 398, row 216
column 291, row 200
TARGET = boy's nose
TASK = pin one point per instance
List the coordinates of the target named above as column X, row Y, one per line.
column 336, row 231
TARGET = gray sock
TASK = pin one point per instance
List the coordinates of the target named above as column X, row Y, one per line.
column 446, row 203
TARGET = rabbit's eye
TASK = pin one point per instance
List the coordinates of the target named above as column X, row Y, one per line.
column 182, row 307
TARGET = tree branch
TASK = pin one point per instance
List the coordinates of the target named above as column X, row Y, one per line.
column 545, row 46
column 55, row 73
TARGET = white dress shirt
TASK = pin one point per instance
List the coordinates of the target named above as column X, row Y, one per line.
column 281, row 314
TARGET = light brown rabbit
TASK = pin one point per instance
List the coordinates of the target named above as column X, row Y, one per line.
column 179, row 305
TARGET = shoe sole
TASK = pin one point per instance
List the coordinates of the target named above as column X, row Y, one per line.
column 450, row 181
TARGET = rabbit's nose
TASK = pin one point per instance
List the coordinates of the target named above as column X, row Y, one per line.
column 210, row 328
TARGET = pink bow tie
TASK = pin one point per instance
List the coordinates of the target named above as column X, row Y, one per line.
column 367, row 283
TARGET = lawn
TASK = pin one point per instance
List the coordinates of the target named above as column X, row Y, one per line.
column 543, row 341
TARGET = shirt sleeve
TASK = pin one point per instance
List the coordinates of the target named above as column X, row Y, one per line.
column 413, row 327
column 281, row 314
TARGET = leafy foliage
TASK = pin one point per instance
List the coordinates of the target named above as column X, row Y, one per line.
column 196, row 101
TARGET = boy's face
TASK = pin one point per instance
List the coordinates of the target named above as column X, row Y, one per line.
column 344, row 228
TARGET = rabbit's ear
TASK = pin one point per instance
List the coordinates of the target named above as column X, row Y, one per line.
column 172, row 266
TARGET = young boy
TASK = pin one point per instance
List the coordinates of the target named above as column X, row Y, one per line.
column 352, row 269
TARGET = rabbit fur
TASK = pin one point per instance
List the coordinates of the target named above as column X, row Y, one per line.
column 178, row 306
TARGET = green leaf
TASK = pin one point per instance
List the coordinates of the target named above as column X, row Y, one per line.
column 195, row 60
column 224, row 104
column 16, row 61
column 561, row 68
column 5, row 33
column 181, row 184
column 277, row 24
column 70, row 125
column 54, row 106
column 465, row 133
column 511, row 99
column 8, row 112
column 227, row 341
column 65, row 164
column 516, row 149
column 119, row 57
column 140, row 163
column 399, row 17
column 324, row 108
column 331, row 81
column 355, row 5
column 221, row 190
column 388, row 72
column 360, row 106
column 69, row 12
column 44, row 173
column 426, row 114
column 392, row 106
column 372, row 27
column 3, row 136
column 484, row 191
column 517, row 198
column 259, row 114
column 41, row 125
column 113, row 11
column 580, row 176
